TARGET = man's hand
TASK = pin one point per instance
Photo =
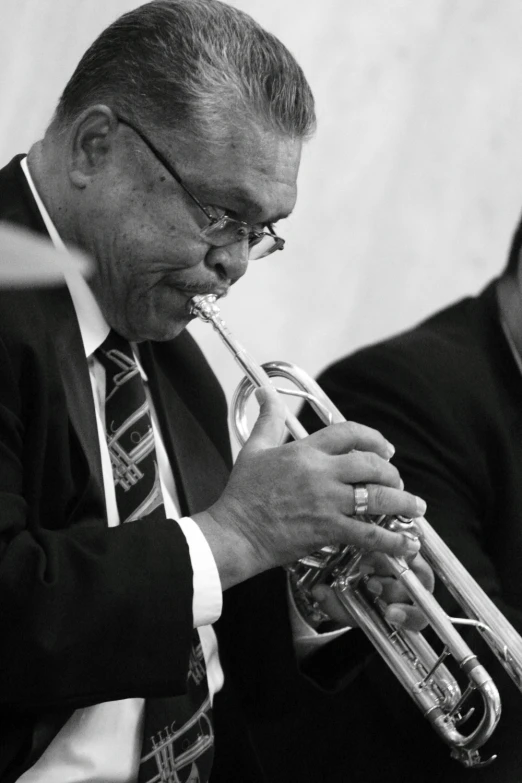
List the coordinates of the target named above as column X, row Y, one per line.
column 400, row 611
column 284, row 501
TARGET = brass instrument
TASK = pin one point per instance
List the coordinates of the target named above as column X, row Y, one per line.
column 418, row 667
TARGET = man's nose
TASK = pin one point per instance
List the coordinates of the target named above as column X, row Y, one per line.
column 229, row 262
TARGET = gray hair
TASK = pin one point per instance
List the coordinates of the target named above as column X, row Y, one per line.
column 193, row 66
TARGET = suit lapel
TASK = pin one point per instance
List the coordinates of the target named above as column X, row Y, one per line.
column 17, row 204
column 198, row 468
column 76, row 381
column 21, row 209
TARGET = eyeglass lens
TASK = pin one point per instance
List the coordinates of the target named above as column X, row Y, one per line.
column 227, row 231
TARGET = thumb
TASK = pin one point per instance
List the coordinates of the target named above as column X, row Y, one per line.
column 269, row 429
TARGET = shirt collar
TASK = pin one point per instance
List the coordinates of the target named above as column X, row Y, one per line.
column 93, row 326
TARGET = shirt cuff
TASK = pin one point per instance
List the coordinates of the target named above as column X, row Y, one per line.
column 307, row 639
column 208, row 596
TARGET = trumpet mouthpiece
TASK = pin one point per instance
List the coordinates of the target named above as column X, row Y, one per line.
column 204, row 306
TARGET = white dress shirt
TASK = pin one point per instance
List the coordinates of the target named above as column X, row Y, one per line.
column 102, row 743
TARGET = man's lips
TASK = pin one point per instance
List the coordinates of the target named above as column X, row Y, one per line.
column 218, row 292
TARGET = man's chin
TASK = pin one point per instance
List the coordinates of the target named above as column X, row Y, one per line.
column 155, row 328
column 164, row 331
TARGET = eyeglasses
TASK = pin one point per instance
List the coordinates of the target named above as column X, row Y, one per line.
column 222, row 229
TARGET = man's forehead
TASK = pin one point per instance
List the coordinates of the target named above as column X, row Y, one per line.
column 264, row 202
column 254, row 170
column 253, row 203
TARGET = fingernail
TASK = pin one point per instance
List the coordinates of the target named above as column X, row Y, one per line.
column 401, row 485
column 391, row 449
column 413, row 545
column 421, row 506
column 396, row 616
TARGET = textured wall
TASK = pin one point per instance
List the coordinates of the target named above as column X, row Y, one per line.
column 408, row 193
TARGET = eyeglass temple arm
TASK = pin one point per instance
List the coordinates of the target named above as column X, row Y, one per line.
column 170, row 168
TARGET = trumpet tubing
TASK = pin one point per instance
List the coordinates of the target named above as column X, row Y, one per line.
column 417, row 666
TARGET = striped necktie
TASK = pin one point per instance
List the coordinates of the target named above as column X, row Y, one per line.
column 178, row 736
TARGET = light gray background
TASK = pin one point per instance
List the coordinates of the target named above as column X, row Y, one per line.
column 409, row 191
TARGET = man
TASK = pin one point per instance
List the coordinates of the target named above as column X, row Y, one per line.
column 448, row 395
column 173, row 151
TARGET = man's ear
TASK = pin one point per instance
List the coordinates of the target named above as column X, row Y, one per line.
column 91, row 140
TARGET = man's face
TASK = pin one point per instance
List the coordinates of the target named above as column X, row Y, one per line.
column 144, row 230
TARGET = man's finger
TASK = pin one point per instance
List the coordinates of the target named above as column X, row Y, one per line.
column 398, row 614
column 370, row 537
column 390, row 590
column 387, row 500
column 380, row 568
column 406, row 616
column 331, row 605
column 344, row 437
column 269, row 429
column 359, row 467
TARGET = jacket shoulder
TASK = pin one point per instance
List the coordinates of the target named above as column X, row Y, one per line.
column 17, row 204
column 444, row 348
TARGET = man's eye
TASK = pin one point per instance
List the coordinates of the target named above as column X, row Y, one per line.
column 256, row 234
column 256, row 229
column 216, row 212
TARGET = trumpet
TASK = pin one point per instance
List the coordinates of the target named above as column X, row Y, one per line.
column 420, row 670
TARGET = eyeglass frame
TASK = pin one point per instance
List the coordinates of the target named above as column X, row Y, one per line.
column 215, row 224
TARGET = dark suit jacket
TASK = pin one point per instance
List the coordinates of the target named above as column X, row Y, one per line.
column 88, row 613
column 91, row 613
column 448, row 395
